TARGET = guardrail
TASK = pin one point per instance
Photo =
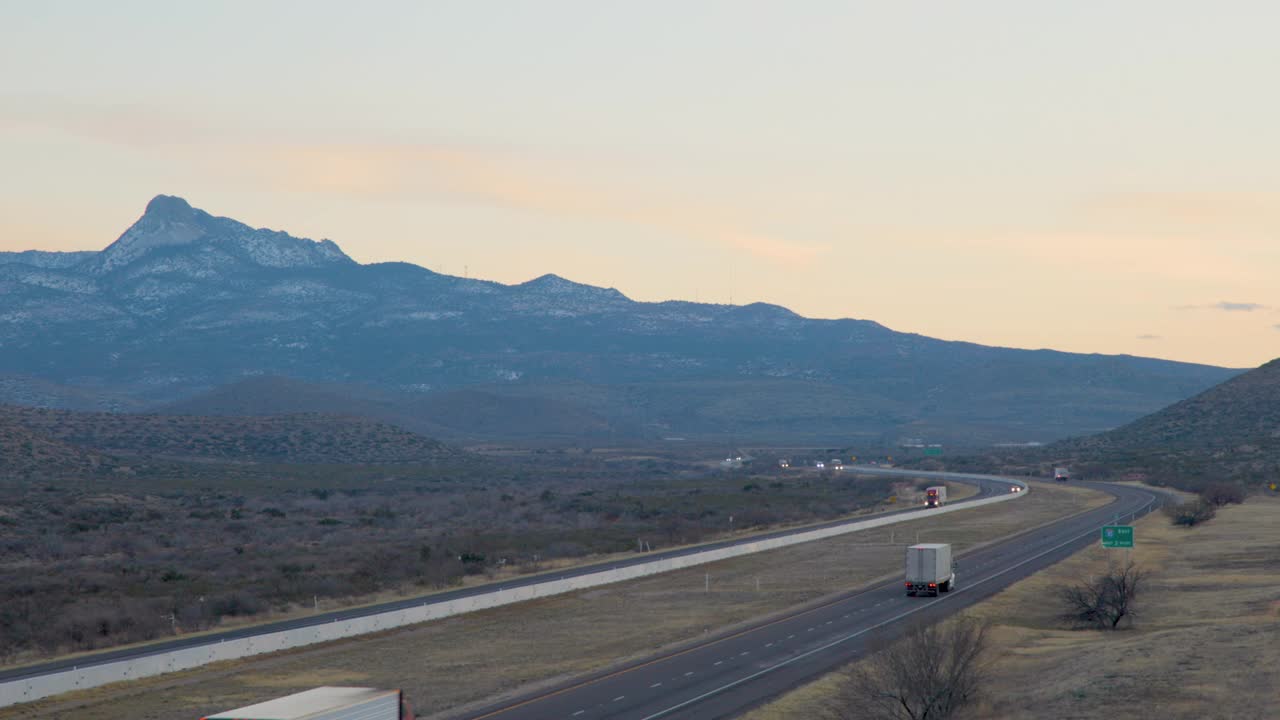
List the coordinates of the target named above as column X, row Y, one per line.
column 27, row 689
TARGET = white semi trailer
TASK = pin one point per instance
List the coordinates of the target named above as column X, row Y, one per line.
column 935, row 496
column 929, row 569
column 327, row 703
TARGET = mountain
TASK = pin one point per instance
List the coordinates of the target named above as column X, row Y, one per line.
column 1229, row 431
column 184, row 303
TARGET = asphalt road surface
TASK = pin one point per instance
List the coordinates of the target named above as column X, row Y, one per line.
column 986, row 488
column 726, row 676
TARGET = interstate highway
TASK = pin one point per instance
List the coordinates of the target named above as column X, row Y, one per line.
column 987, row 487
column 725, row 676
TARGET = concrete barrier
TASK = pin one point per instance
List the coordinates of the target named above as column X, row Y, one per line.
column 28, row 689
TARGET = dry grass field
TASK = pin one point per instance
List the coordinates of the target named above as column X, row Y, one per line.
column 1204, row 644
column 474, row 658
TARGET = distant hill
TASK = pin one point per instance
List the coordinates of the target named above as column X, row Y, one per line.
column 471, row 414
column 184, row 303
column 27, row 454
column 276, row 395
column 308, row 438
column 1230, row 431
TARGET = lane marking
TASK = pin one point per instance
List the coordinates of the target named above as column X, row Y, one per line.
column 579, row 713
column 719, row 662
column 657, row 684
column 620, row 697
column 778, row 621
column 919, row 607
column 688, row 673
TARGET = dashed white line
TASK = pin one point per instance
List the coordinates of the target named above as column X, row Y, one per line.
column 790, row 636
column 744, row 652
column 768, row 644
column 579, row 713
column 655, row 685
column 688, row 673
column 620, row 697
column 719, row 662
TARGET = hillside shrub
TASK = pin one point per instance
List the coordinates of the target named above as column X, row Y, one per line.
column 1192, row 513
column 1223, row 493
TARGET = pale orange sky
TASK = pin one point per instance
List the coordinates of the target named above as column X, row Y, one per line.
column 1093, row 179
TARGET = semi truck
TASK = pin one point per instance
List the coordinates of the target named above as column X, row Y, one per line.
column 929, row 569
column 327, row 703
column 935, row 496
column 1061, row 474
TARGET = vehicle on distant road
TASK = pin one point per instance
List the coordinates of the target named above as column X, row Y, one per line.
column 836, row 464
column 327, row 703
column 935, row 496
column 929, row 569
column 1061, row 474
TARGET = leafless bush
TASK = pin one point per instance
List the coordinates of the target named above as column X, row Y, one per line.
column 1104, row 601
column 930, row 674
column 1223, row 493
column 1191, row 513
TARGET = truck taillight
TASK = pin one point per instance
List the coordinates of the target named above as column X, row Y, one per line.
column 933, row 584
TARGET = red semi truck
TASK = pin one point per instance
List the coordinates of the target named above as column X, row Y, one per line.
column 935, row 496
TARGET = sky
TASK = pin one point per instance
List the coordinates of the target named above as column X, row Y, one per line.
column 1087, row 176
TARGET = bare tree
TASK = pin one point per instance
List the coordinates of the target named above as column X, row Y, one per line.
column 930, row 674
column 1105, row 601
column 1223, row 493
column 1191, row 513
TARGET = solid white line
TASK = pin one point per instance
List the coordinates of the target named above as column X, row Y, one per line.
column 916, row 609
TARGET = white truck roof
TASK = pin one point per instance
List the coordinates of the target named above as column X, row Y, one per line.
column 930, row 546
column 314, row 703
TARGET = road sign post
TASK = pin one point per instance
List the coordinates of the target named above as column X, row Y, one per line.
column 1117, row 536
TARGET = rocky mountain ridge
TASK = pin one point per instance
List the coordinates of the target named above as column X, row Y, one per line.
column 185, row 302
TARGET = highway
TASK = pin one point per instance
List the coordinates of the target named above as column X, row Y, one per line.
column 725, row 676
column 987, row 487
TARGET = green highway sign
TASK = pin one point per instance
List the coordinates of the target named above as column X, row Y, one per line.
column 933, row 451
column 1117, row 536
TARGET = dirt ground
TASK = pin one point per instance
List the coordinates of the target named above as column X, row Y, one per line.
column 448, row 664
column 1204, row 644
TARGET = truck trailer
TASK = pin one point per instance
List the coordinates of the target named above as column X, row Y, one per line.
column 935, row 496
column 327, row 703
column 1061, row 474
column 929, row 569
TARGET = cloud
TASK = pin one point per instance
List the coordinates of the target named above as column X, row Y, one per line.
column 415, row 170
column 1238, row 306
column 1148, row 336
column 1226, row 306
column 395, row 169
